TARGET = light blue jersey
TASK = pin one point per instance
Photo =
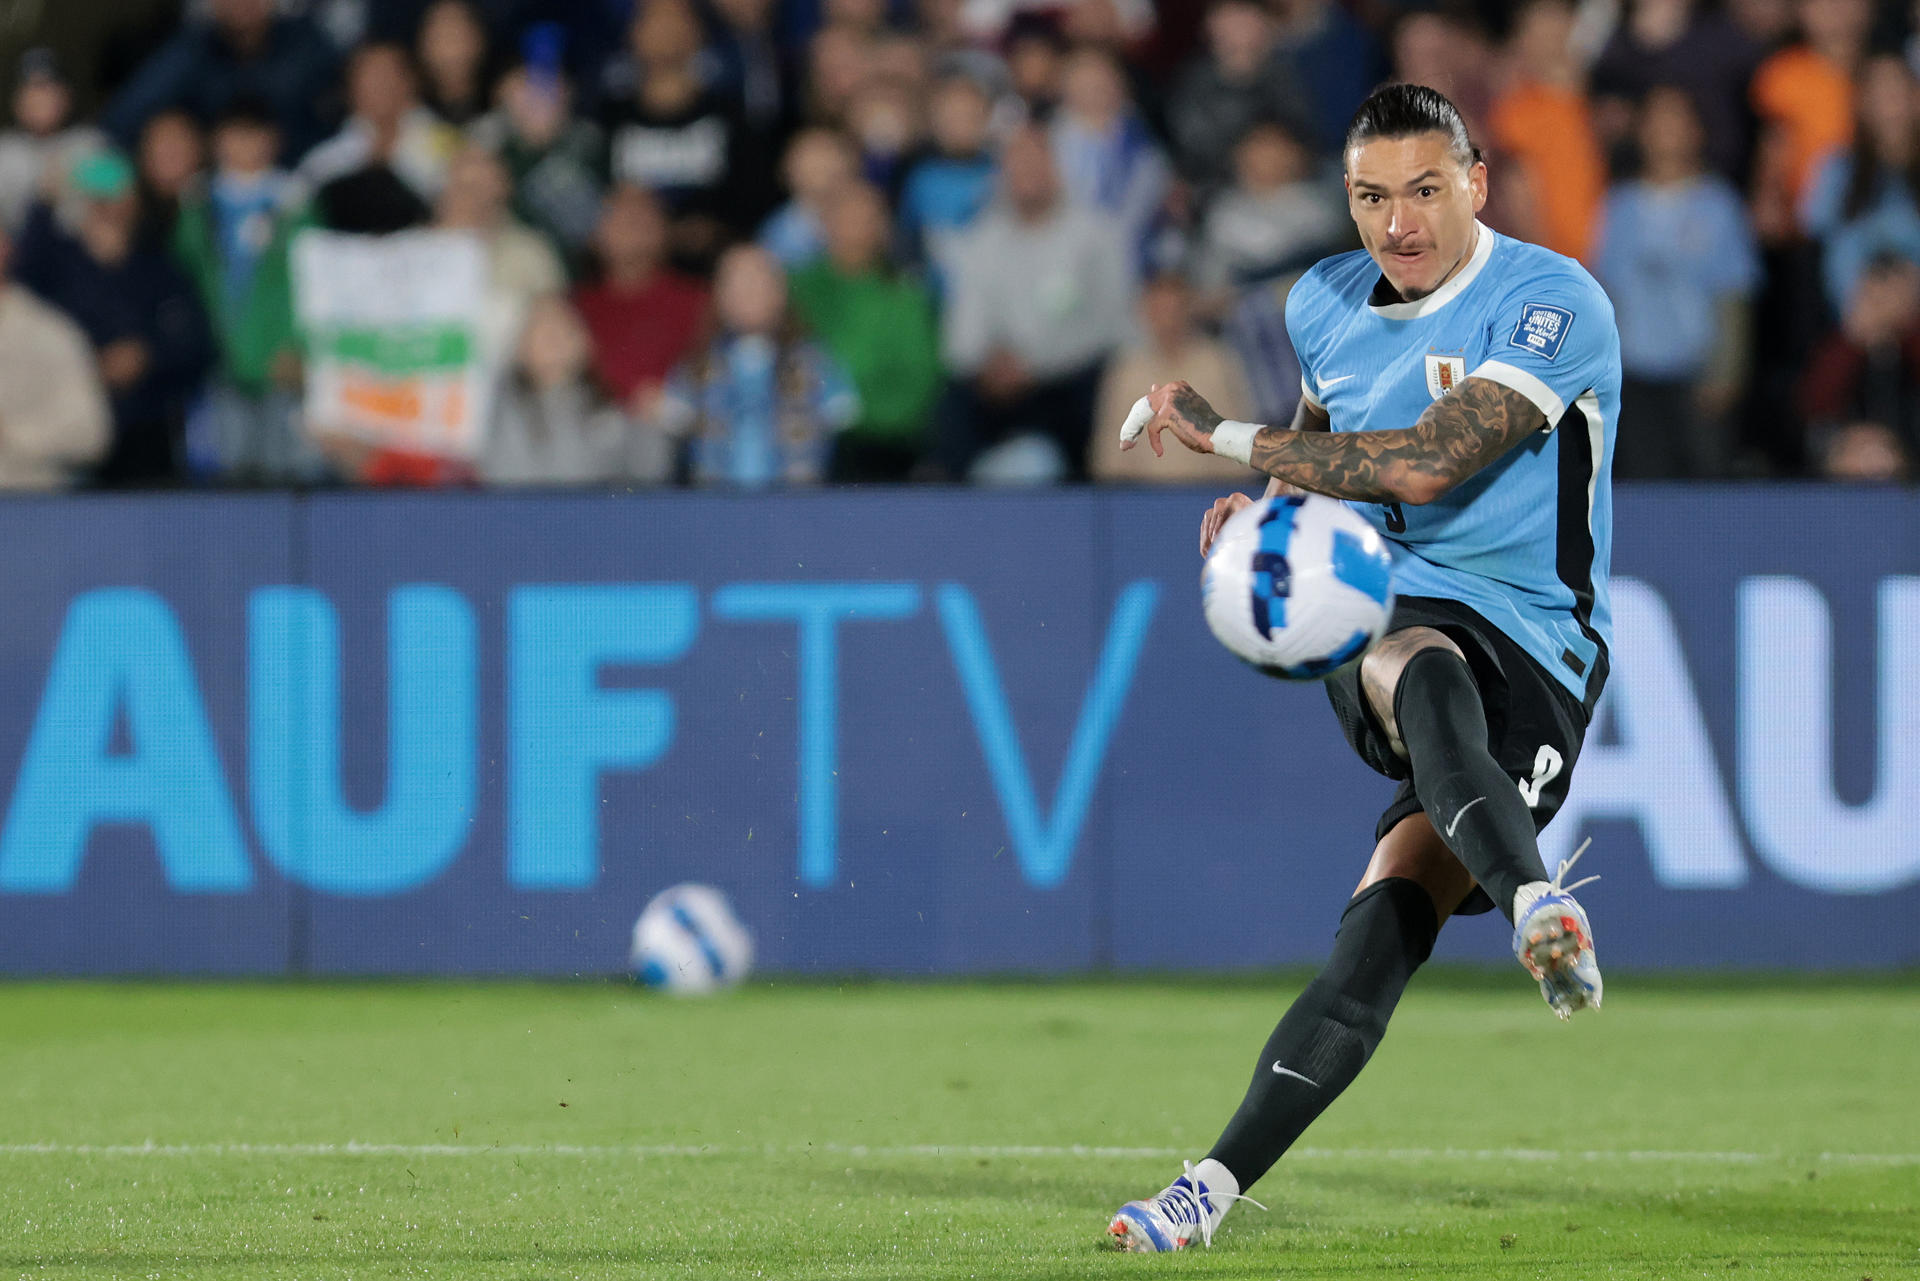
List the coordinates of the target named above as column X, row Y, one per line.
column 1525, row 542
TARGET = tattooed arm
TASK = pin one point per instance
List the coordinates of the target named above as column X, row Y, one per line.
column 1307, row 416
column 1459, row 434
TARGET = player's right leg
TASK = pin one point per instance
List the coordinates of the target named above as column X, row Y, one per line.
column 1412, row 884
column 1423, row 692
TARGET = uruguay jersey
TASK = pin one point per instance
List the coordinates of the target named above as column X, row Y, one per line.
column 1526, row 541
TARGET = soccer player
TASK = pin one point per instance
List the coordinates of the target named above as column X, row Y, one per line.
column 1460, row 391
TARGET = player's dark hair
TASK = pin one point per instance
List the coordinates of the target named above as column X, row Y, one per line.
column 1406, row 111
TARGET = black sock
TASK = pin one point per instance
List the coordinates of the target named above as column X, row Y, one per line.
column 1474, row 806
column 1333, row 1027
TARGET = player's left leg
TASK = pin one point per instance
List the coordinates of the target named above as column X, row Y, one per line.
column 1412, row 884
column 1426, row 696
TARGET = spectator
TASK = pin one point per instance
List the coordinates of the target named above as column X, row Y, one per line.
column 946, row 189
column 868, row 17
column 879, row 326
column 1278, row 216
column 1865, row 200
column 1035, row 61
column 819, row 162
column 1444, row 52
column 147, row 330
column 1542, row 123
column 1865, row 451
column 390, row 149
column 241, row 50
column 553, row 157
column 43, row 135
column 550, row 426
column 1042, row 295
column 677, row 138
column 1803, row 96
column 521, row 266
column 751, row 68
column 1118, row 26
column 643, row 316
column 1768, row 23
column 1861, row 391
column 986, row 21
column 172, row 156
column 885, row 121
column 583, row 36
column 1107, row 159
column 1335, row 60
column 1256, row 330
column 1240, row 79
column 1171, row 347
column 904, row 58
column 233, row 239
column 52, row 406
column 838, row 61
column 1678, row 259
column 940, row 24
column 758, row 405
column 1680, row 42
column 451, row 50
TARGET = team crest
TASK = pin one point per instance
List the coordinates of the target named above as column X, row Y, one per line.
column 1444, row 373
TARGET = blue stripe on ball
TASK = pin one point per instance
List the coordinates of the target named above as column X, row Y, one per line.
column 653, row 973
column 1360, row 569
column 685, row 920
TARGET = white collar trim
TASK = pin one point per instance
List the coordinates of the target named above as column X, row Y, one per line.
column 1482, row 251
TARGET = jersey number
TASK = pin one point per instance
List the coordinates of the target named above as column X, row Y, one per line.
column 1396, row 519
column 1546, row 767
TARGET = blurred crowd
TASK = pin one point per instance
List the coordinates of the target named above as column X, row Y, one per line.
column 778, row 242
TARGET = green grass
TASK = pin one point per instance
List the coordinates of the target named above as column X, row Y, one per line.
column 589, row 1131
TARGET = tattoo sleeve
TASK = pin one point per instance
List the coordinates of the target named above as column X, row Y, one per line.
column 1458, row 435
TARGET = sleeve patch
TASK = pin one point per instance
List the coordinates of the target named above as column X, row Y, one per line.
column 1542, row 329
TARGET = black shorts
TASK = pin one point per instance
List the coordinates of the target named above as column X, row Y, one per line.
column 1535, row 725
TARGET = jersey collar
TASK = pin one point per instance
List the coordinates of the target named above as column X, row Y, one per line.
column 1482, row 250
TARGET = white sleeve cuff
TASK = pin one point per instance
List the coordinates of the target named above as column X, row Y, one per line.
column 1235, row 440
column 1517, row 379
column 1306, row 393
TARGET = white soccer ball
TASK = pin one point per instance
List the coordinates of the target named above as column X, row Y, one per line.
column 689, row 942
column 1298, row 586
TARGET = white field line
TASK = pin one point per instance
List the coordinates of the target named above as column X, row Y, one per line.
column 858, row 1151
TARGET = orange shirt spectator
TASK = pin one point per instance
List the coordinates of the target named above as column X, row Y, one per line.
column 1543, row 123
column 1808, row 100
column 1548, row 131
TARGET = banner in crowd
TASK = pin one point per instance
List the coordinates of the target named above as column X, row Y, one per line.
column 396, row 351
column 909, row 732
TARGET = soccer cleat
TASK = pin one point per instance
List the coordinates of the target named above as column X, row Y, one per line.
column 1552, row 939
column 1170, row 1221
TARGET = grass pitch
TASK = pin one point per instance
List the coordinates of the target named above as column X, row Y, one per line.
column 880, row 1131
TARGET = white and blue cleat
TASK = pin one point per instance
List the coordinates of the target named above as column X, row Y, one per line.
column 1188, row 1208
column 1552, row 939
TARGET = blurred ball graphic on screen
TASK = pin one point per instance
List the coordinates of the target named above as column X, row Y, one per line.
column 1297, row 586
column 689, row 942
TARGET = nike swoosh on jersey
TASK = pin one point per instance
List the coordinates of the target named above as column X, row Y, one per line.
column 1328, row 382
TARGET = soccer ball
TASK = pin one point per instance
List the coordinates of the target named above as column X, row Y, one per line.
column 1297, row 586
column 689, row 942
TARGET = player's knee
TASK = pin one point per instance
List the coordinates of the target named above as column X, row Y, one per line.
column 1436, row 697
column 1413, row 853
column 1383, row 673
